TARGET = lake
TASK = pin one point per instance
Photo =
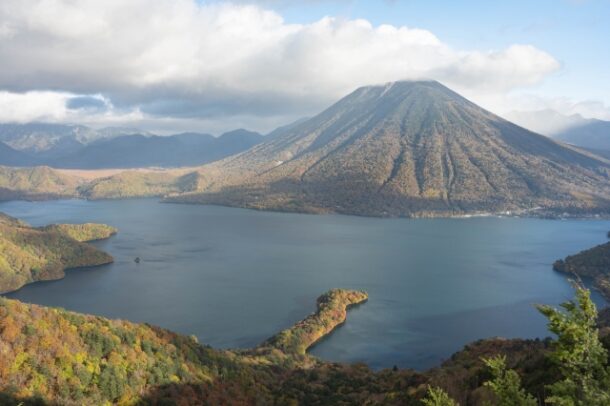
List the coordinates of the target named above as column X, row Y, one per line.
column 234, row 277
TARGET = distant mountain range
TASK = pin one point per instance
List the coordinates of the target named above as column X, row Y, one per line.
column 72, row 146
column 406, row 148
column 588, row 133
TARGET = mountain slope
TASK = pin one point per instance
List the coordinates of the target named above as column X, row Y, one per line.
column 407, row 148
column 592, row 134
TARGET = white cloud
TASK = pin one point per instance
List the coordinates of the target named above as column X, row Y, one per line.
column 49, row 106
column 562, row 105
column 33, row 106
column 180, row 59
column 56, row 107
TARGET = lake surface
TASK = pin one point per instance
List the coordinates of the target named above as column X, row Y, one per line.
column 234, row 277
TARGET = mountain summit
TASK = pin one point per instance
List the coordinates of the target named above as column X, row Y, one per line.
column 407, row 149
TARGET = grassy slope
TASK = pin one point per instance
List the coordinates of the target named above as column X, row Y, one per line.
column 30, row 254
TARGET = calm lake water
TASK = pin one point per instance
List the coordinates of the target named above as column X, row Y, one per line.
column 234, row 277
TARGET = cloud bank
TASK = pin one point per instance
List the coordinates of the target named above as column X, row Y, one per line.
column 220, row 64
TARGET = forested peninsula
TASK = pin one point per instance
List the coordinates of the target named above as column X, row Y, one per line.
column 29, row 254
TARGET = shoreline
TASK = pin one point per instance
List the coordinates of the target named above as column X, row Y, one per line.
column 42, row 281
column 534, row 213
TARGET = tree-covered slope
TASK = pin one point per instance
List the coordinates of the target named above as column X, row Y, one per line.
column 593, row 263
column 53, row 356
column 407, row 148
column 83, row 232
column 134, row 184
column 29, row 254
column 36, row 183
column 73, row 359
column 44, row 183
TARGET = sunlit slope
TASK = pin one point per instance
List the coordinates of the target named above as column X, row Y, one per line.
column 29, row 254
column 407, row 148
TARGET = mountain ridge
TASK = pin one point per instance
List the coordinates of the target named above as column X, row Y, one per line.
column 589, row 133
column 81, row 147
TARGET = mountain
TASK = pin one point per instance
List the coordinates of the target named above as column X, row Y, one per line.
column 12, row 157
column 407, row 149
column 235, row 141
column 43, row 141
column 38, row 137
column 68, row 146
column 129, row 151
column 592, row 134
column 138, row 151
column 285, row 128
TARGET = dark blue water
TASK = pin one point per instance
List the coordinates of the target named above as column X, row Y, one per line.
column 234, row 277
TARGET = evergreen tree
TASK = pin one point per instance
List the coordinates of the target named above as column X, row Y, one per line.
column 578, row 353
column 438, row 397
column 506, row 384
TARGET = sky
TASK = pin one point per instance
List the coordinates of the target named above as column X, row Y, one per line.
column 211, row 66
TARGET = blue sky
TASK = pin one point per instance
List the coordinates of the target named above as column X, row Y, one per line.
column 575, row 32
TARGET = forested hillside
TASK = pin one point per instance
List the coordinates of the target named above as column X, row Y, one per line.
column 29, row 254
column 52, row 356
